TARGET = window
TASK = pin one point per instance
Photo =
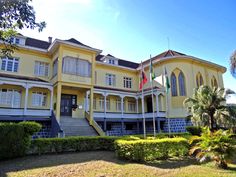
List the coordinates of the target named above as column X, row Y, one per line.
column 95, row 77
column 199, row 79
column 118, row 104
column 101, row 103
column 111, row 61
column 181, row 80
column 173, row 85
column 76, row 66
column 39, row 99
column 127, row 82
column 10, row 97
column 110, row 80
column 94, row 103
column 14, row 40
column 41, row 69
column 131, row 106
column 214, row 82
column 108, row 105
column 10, row 64
column 55, row 67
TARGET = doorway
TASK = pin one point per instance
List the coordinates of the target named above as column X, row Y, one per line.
column 149, row 104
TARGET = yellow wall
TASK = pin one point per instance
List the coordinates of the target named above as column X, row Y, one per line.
column 27, row 61
column 120, row 73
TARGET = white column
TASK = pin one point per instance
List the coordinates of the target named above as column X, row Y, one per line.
column 105, row 104
column 137, row 105
column 51, row 99
column 122, row 106
column 157, row 106
column 86, row 101
column 26, row 98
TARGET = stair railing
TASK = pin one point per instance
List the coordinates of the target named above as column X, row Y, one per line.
column 56, row 130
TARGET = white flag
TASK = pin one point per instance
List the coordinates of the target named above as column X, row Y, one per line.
column 160, row 80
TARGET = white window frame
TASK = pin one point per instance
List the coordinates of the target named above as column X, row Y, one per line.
column 127, row 82
column 41, row 69
column 131, row 106
column 39, row 99
column 108, row 105
column 55, row 67
column 7, row 60
column 76, row 66
column 101, row 103
column 15, row 40
column 118, row 104
column 110, row 79
column 10, row 97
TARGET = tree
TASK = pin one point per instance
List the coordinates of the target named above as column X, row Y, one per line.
column 208, row 108
column 233, row 64
column 15, row 15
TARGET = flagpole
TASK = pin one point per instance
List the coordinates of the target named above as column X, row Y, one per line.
column 144, row 122
column 167, row 103
column 153, row 114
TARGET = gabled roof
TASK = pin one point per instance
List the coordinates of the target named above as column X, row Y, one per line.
column 73, row 40
column 37, row 43
column 168, row 53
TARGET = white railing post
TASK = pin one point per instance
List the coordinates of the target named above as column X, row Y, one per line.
column 51, row 99
column 137, row 105
column 26, row 98
column 157, row 106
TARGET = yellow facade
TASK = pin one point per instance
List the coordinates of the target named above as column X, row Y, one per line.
column 79, row 85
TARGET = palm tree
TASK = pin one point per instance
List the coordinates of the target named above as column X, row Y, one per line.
column 208, row 108
column 233, row 64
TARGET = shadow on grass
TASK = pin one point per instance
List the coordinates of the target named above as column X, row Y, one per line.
column 34, row 162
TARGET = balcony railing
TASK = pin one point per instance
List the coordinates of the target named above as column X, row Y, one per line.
column 28, row 112
column 127, row 115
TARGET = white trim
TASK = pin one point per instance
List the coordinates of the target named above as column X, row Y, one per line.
column 159, row 60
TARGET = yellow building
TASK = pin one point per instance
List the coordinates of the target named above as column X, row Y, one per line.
column 69, row 86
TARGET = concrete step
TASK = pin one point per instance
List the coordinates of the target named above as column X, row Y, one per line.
column 77, row 127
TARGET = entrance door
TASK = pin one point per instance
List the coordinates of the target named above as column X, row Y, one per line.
column 149, row 104
column 66, row 105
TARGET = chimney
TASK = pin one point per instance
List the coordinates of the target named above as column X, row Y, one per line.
column 50, row 39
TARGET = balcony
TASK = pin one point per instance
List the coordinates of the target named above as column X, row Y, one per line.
column 118, row 115
column 21, row 112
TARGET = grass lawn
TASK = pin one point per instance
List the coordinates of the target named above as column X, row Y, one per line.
column 104, row 164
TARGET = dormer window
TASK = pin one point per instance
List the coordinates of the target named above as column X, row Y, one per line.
column 111, row 61
column 15, row 40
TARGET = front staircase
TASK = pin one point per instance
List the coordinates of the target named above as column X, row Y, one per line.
column 76, row 127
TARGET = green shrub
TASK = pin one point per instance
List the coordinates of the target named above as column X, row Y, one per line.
column 146, row 150
column 15, row 139
column 30, row 127
column 194, row 130
column 71, row 144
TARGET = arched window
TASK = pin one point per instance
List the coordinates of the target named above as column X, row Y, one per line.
column 173, row 85
column 214, row 82
column 181, row 80
column 199, row 79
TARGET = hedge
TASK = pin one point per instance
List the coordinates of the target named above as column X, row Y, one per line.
column 147, row 150
column 71, row 144
column 15, row 138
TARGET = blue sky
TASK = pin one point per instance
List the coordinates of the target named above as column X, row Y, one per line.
column 134, row 29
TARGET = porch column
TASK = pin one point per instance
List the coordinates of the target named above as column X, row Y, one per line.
column 58, row 107
column 157, row 106
column 86, row 101
column 137, row 111
column 105, row 112
column 51, row 99
column 26, row 98
column 91, row 107
column 122, row 115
